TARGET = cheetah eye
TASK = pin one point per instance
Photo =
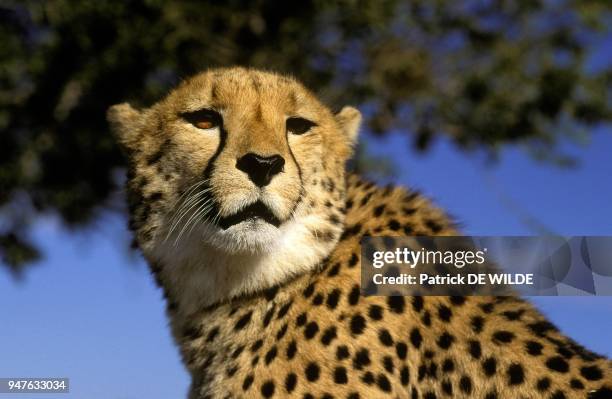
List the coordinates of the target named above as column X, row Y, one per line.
column 203, row 118
column 297, row 125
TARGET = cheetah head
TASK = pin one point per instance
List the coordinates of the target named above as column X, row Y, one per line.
column 236, row 178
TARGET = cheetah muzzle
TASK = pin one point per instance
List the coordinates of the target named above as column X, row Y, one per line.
column 250, row 214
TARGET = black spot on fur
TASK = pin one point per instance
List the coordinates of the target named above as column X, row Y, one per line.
column 290, row 382
column 366, row 199
column 351, row 231
column 474, row 349
column 405, row 376
column 385, row 338
column 540, row 328
column 375, row 312
column 212, row 334
column 486, row 307
column 368, row 378
column 340, row 376
column 192, row 332
column 324, row 235
column 591, row 373
column 513, row 315
column 534, row 348
column 309, row 290
column 447, row 387
column 576, row 384
column 291, row 350
column 334, row 270
column 445, row 340
column 417, row 303
column 434, row 226
column 284, row 309
column 268, row 316
column 401, row 349
column 465, row 384
column 388, row 364
column 448, row 366
column 267, row 389
column 503, row 337
column 543, row 384
column 477, row 322
column 271, row 355
column 311, row 330
column 416, row 338
column 156, row 196
column 333, row 298
column 357, row 324
column 342, row 352
column 231, row 371
column 516, row 374
column 248, row 380
column 281, row 332
column 312, row 371
column 237, row 352
column 243, row 321
column 353, row 297
column 558, row 364
column 334, row 219
column 445, row 313
column 396, row 304
column 256, row 345
column 457, row 300
column 271, row 292
column 361, row 359
column 328, row 335
column 394, row 225
column 489, row 366
column 426, row 318
column 383, row 383
column 156, row 156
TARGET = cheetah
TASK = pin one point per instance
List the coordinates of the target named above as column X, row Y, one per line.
column 240, row 201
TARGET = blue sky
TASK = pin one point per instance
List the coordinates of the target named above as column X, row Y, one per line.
column 91, row 313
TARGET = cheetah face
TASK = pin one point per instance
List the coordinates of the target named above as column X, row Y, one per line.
column 240, row 160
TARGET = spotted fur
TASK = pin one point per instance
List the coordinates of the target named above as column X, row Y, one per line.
column 264, row 311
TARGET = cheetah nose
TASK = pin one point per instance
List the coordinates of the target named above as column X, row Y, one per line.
column 260, row 169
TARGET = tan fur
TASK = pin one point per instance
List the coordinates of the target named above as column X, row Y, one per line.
column 264, row 311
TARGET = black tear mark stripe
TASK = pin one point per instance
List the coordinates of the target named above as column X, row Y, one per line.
column 211, row 163
column 299, row 170
column 210, row 167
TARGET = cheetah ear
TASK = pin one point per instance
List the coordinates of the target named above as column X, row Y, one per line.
column 349, row 119
column 125, row 123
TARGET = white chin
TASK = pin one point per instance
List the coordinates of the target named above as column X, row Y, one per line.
column 252, row 235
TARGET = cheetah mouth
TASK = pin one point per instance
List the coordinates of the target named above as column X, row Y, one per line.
column 256, row 211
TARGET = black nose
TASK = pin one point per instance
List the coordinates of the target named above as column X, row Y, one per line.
column 260, row 169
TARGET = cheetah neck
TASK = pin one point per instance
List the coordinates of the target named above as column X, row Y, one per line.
column 196, row 275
